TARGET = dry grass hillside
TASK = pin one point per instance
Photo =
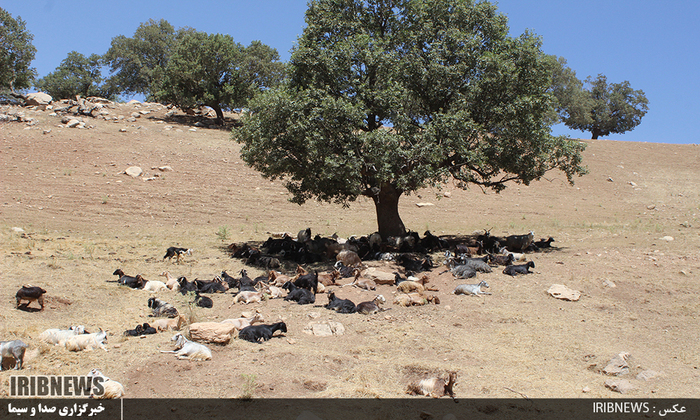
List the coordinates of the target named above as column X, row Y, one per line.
column 82, row 218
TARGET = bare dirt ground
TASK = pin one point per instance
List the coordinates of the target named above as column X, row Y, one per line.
column 83, row 217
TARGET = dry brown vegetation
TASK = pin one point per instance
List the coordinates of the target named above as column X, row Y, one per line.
column 83, row 218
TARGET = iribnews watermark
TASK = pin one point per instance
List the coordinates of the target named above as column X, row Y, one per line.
column 637, row 407
column 58, row 386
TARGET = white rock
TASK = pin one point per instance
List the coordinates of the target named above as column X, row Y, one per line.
column 165, row 168
column 667, row 238
column 38, row 98
column 18, row 230
column 618, row 365
column 133, row 102
column 424, row 204
column 622, row 386
column 562, row 292
column 72, row 123
column 133, row 171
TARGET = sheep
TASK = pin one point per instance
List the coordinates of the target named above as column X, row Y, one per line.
column 514, row 270
column 154, row 286
column 171, row 282
column 371, row 307
column 343, row 306
column 471, row 289
column 434, row 387
column 14, row 349
column 259, row 333
column 349, row 258
column 86, row 341
column 518, row 243
column 169, row 324
column 30, row 294
column 544, row 243
column 363, row 283
column 161, row 308
column 55, row 336
column 247, row 297
column 243, row 322
column 186, row 349
column 203, row 301
column 177, row 253
column 112, row 389
column 140, row 330
column 299, row 295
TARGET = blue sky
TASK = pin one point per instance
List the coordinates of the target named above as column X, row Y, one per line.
column 651, row 44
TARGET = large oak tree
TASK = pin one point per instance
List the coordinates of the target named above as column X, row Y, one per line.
column 385, row 97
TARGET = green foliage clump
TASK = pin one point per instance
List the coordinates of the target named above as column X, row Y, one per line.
column 16, row 54
column 77, row 75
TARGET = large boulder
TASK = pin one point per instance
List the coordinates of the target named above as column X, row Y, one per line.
column 379, row 276
column 212, row 332
column 38, row 99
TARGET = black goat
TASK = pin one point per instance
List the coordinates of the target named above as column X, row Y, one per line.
column 261, row 332
column 203, row 301
column 344, row 270
column 432, row 242
column 542, row 243
column 133, row 282
column 514, row 270
column 499, row 259
column 143, row 329
column 212, row 286
column 415, row 264
column 186, row 286
column 308, row 281
column 176, row 252
column 342, row 306
column 299, row 295
column 30, row 294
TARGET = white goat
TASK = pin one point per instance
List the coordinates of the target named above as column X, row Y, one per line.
column 241, row 323
column 55, row 335
column 171, row 282
column 154, row 286
column 186, row 349
column 169, row 324
column 112, row 389
column 86, row 341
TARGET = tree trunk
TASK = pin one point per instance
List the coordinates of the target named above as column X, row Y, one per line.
column 219, row 114
column 386, row 203
column 595, row 133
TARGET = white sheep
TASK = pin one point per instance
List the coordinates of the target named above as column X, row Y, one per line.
column 55, row 335
column 86, row 341
column 169, row 323
column 112, row 389
column 186, row 349
column 247, row 297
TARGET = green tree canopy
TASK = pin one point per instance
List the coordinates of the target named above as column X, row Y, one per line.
column 137, row 63
column 385, row 97
column 213, row 70
column 77, row 75
column 16, row 54
column 608, row 108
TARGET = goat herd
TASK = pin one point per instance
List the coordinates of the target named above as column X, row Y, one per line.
column 463, row 258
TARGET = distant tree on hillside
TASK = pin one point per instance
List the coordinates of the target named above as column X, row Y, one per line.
column 16, row 54
column 138, row 63
column 385, row 97
column 213, row 70
column 601, row 109
column 77, row 75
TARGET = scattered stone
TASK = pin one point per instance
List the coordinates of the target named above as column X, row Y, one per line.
column 212, row 332
column 609, row 283
column 193, row 129
column 165, row 168
column 424, row 204
column 325, row 329
column 648, row 374
column 633, row 184
column 18, row 230
column 122, row 130
column 667, row 238
column 651, row 206
column 622, row 386
column 72, row 123
column 562, row 292
column 47, row 131
column 144, row 112
column 610, row 179
column 135, row 115
column 447, row 194
column 586, row 390
column 133, row 102
column 314, row 315
column 133, row 171
column 618, row 365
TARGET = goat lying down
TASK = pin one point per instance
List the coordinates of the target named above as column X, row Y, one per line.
column 434, row 387
column 112, row 389
column 260, row 333
column 86, row 341
column 14, row 349
column 186, row 349
column 55, row 335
